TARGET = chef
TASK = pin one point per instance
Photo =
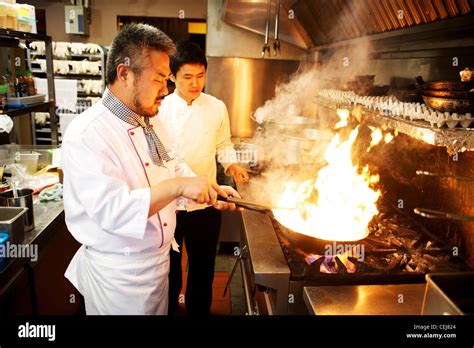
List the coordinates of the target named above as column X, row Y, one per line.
column 123, row 183
column 199, row 126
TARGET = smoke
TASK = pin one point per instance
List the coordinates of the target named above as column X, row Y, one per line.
column 287, row 152
column 292, row 98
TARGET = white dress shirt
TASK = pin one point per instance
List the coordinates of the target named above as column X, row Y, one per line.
column 199, row 132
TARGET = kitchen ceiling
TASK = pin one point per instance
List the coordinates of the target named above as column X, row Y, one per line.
column 311, row 23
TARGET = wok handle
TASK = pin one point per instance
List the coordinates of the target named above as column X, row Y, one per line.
column 244, row 204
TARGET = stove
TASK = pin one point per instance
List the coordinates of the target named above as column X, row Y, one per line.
column 397, row 251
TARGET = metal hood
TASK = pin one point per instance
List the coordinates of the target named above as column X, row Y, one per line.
column 312, row 23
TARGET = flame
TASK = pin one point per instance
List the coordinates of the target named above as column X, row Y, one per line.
column 330, row 265
column 388, row 138
column 344, row 116
column 345, row 205
column 376, row 136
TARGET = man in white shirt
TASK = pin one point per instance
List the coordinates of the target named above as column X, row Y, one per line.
column 122, row 180
column 198, row 123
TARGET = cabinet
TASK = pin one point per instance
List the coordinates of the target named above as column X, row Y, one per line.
column 11, row 40
column 72, row 61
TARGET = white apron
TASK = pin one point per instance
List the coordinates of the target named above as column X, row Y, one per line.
column 135, row 284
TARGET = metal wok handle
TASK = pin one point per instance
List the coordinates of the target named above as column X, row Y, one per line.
column 436, row 214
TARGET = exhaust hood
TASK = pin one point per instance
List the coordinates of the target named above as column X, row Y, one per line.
column 313, row 23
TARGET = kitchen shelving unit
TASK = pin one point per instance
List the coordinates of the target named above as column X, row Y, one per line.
column 83, row 97
column 12, row 38
column 455, row 140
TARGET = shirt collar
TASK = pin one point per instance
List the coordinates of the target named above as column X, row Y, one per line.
column 116, row 106
column 183, row 102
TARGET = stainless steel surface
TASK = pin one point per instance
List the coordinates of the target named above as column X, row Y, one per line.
column 11, row 222
column 243, row 90
column 249, row 300
column 448, row 294
column 251, row 15
column 266, row 261
column 436, row 214
column 404, row 299
column 25, row 200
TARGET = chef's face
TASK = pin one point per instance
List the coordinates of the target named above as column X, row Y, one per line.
column 149, row 87
column 190, row 80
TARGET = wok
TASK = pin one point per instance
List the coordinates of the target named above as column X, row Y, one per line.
column 313, row 245
column 464, row 86
column 449, row 104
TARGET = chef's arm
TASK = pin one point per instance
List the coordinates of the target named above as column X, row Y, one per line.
column 226, row 154
column 198, row 189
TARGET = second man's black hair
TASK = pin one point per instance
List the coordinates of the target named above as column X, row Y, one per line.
column 187, row 53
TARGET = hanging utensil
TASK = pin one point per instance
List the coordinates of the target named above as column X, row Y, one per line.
column 436, row 214
column 457, row 177
column 276, row 43
column 266, row 46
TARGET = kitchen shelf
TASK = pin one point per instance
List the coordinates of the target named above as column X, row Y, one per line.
column 27, row 109
column 455, row 140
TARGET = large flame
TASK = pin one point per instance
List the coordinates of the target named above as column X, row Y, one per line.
column 345, row 200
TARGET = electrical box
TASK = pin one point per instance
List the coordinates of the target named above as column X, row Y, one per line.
column 77, row 20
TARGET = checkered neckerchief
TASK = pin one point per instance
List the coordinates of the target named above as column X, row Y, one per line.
column 123, row 112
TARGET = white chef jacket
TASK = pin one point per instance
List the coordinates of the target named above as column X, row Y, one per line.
column 199, row 131
column 108, row 172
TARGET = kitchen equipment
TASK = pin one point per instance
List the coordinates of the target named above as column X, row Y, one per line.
column 449, row 104
column 11, row 222
column 249, row 204
column 290, row 124
column 444, row 85
column 457, row 177
column 449, row 294
column 25, row 200
column 248, row 155
column 449, row 94
column 407, row 95
column 466, row 74
column 436, row 214
column 29, row 160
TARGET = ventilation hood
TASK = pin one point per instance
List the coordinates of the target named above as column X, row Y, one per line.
column 312, row 23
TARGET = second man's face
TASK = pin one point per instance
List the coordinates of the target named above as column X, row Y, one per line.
column 190, row 80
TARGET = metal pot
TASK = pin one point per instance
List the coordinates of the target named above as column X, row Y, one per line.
column 291, row 124
column 306, row 142
column 25, row 200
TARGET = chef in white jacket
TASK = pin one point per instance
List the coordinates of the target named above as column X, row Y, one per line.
column 199, row 126
column 122, row 182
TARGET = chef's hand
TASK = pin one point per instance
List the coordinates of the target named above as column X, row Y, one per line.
column 229, row 191
column 200, row 189
column 239, row 174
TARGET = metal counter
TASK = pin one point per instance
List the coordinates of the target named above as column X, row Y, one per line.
column 403, row 299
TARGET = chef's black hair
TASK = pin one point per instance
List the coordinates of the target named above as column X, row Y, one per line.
column 187, row 52
column 127, row 47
